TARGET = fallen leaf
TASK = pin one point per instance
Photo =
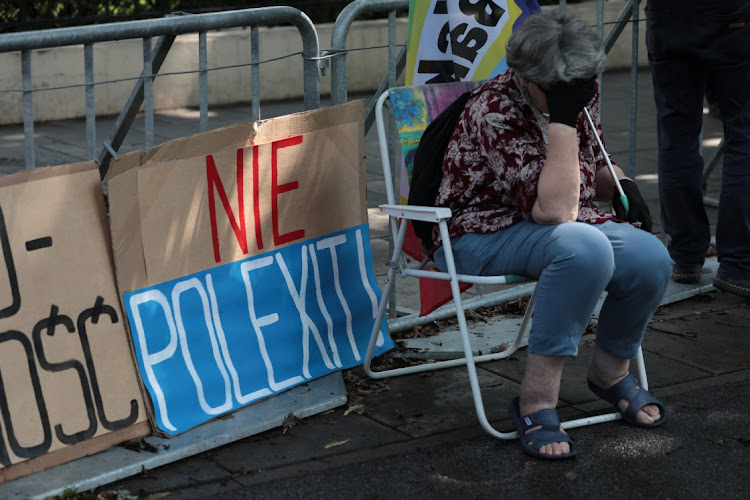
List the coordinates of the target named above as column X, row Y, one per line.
column 149, row 447
column 337, row 443
column 132, row 445
column 500, row 348
column 139, row 445
column 356, row 408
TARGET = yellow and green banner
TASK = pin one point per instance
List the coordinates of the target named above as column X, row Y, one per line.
column 457, row 40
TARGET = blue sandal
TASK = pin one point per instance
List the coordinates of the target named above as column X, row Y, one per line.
column 629, row 389
column 550, row 431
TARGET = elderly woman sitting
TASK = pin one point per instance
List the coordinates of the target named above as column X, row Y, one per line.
column 522, row 173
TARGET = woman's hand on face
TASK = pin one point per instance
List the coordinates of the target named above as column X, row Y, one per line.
column 565, row 100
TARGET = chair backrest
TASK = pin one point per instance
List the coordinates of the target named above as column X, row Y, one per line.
column 413, row 109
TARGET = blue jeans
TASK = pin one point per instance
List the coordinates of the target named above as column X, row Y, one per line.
column 692, row 45
column 574, row 263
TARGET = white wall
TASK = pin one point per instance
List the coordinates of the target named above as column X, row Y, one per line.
column 280, row 79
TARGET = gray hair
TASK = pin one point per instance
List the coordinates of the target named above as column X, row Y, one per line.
column 555, row 46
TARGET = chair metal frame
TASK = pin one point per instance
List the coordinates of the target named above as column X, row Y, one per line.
column 399, row 215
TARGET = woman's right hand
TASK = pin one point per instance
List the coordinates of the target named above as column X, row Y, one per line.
column 565, row 100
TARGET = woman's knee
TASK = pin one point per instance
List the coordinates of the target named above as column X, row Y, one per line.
column 583, row 249
column 645, row 263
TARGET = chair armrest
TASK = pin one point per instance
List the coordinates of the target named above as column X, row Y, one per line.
column 416, row 212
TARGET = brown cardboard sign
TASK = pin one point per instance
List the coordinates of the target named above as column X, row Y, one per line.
column 68, row 386
column 242, row 258
column 197, row 202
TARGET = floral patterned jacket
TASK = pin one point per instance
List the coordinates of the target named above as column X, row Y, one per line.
column 495, row 155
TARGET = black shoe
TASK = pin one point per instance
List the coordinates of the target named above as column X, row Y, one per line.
column 686, row 277
column 736, row 286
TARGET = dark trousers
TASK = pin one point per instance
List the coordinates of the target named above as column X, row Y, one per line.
column 692, row 45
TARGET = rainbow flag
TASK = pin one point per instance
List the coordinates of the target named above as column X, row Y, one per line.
column 457, row 40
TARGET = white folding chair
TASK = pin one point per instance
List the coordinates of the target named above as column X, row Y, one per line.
column 399, row 215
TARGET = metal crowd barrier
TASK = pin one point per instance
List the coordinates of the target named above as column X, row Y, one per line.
column 396, row 63
column 166, row 29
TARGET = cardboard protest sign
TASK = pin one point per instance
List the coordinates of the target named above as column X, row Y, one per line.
column 68, row 385
column 244, row 263
column 454, row 40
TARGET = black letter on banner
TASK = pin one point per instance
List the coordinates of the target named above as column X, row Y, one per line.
column 466, row 49
column 446, row 71
column 20, row 451
column 441, row 7
column 4, row 457
column 444, row 38
column 479, row 11
column 93, row 314
column 12, row 277
column 49, row 324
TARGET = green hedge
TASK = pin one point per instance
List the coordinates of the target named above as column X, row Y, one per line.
column 22, row 15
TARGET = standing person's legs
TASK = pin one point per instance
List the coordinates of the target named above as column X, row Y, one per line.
column 679, row 83
column 731, row 78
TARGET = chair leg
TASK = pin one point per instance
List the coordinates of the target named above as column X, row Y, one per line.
column 641, row 367
column 472, row 369
column 468, row 352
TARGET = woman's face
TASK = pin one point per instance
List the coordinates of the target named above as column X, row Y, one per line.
column 538, row 97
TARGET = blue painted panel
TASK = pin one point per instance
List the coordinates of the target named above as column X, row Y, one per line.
column 212, row 342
